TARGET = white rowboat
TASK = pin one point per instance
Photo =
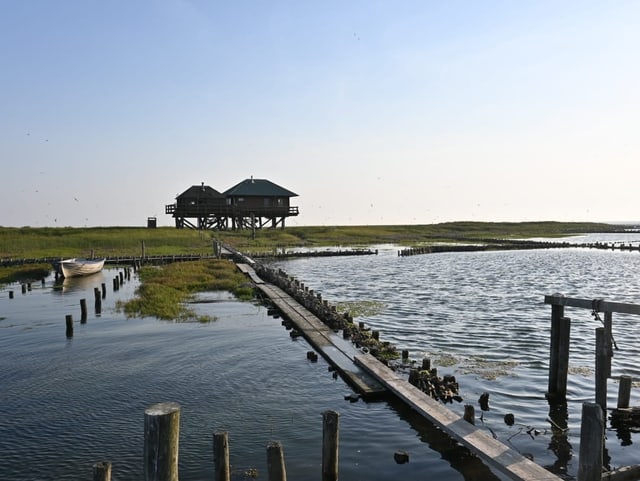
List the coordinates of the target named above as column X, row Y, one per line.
column 80, row 267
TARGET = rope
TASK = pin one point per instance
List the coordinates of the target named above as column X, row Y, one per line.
column 595, row 312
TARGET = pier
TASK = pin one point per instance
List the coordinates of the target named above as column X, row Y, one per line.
column 340, row 354
column 370, row 377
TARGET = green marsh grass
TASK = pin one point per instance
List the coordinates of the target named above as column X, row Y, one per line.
column 165, row 291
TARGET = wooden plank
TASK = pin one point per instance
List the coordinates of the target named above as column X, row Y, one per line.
column 248, row 270
column 600, row 304
column 495, row 454
column 339, row 353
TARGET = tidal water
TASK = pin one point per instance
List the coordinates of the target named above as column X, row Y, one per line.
column 68, row 403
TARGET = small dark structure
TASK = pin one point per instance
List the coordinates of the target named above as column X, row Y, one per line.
column 251, row 204
column 200, row 202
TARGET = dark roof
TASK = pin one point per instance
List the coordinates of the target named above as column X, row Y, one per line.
column 258, row 188
column 201, row 191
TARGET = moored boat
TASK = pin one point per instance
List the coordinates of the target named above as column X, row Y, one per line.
column 80, row 267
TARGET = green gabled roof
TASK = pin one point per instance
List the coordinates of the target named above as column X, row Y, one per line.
column 258, row 188
column 201, row 191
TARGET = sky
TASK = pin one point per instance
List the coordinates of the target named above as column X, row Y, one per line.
column 373, row 112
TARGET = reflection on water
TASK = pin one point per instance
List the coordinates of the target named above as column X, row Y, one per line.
column 65, row 285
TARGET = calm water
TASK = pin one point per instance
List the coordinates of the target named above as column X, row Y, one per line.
column 66, row 404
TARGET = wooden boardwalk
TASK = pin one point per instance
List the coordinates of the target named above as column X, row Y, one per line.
column 496, row 455
column 339, row 353
column 370, row 377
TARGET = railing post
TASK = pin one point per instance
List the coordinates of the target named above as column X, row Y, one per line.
column 602, row 358
column 559, row 352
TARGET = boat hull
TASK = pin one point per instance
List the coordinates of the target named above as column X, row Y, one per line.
column 80, row 267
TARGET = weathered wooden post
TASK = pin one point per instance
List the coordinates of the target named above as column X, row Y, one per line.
column 102, row 471
column 143, row 248
column 121, row 275
column 624, row 391
column 161, row 435
column 330, row 444
column 10, row 294
column 83, row 311
column 608, row 338
column 221, row 456
column 591, row 443
column 97, row 300
column 559, row 352
column 275, row 462
column 104, row 290
column 469, row 414
column 602, row 358
column 69, row 323
column 24, row 288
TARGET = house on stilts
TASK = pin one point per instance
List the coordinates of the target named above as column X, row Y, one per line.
column 250, row 204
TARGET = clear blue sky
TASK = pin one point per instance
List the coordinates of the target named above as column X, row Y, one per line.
column 374, row 112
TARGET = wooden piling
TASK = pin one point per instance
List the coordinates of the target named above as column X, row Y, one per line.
column 102, row 471
column 121, row 277
column 275, row 462
column 10, row 294
column 69, row 323
column 559, row 353
column 83, row 311
column 221, row 456
column 591, row 443
column 602, row 359
column 104, row 290
column 608, row 339
column 161, row 435
column 97, row 300
column 469, row 414
column 426, row 364
column 24, row 288
column 330, row 444
column 624, row 391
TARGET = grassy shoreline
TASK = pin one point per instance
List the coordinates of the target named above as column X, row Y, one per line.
column 29, row 242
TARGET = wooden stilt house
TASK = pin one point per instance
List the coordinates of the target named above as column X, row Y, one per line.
column 205, row 205
column 250, row 204
column 257, row 203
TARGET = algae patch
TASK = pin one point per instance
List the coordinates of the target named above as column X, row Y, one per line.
column 486, row 369
column 361, row 308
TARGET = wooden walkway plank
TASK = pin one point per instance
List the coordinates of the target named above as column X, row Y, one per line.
column 339, row 353
column 248, row 270
column 495, row 454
